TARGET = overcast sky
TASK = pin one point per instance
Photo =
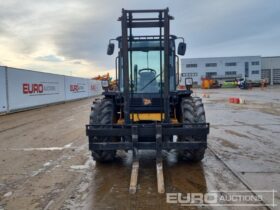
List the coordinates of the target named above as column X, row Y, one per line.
column 71, row 36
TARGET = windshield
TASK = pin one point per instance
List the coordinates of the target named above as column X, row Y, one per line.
column 145, row 71
column 146, row 66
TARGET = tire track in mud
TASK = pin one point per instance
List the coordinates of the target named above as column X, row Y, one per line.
column 237, row 176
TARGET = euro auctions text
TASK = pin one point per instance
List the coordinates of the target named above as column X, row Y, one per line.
column 223, row 198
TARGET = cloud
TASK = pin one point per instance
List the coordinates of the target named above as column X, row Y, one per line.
column 70, row 34
column 77, row 62
column 87, row 37
column 224, row 22
column 50, row 58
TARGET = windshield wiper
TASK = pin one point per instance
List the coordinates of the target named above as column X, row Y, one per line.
column 150, row 82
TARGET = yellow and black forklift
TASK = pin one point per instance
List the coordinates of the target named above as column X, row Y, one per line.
column 147, row 112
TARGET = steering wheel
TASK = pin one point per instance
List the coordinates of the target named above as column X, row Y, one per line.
column 147, row 70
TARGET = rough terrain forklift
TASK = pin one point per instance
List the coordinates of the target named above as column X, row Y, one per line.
column 146, row 112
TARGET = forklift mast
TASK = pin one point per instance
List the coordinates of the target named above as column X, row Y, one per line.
column 128, row 23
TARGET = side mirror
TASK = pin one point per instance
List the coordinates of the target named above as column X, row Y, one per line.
column 110, row 49
column 182, row 48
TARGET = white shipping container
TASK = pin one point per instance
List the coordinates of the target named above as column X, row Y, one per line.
column 30, row 88
column 75, row 88
column 3, row 90
column 95, row 87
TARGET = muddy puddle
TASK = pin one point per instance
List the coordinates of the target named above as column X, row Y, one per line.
column 110, row 182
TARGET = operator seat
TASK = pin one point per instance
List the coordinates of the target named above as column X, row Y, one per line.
column 147, row 79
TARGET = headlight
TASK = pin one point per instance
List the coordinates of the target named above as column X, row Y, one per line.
column 104, row 83
column 188, row 81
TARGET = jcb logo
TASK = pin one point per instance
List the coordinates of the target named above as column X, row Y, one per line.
column 147, row 101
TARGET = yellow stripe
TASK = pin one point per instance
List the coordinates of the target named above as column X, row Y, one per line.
column 146, row 116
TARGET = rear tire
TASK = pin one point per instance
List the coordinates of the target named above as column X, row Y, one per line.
column 192, row 111
column 103, row 113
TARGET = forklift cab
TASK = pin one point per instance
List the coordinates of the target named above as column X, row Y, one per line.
column 146, row 66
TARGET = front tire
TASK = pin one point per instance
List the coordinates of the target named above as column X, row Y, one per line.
column 103, row 113
column 192, row 111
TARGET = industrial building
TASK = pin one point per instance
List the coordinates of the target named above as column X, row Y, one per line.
column 252, row 68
